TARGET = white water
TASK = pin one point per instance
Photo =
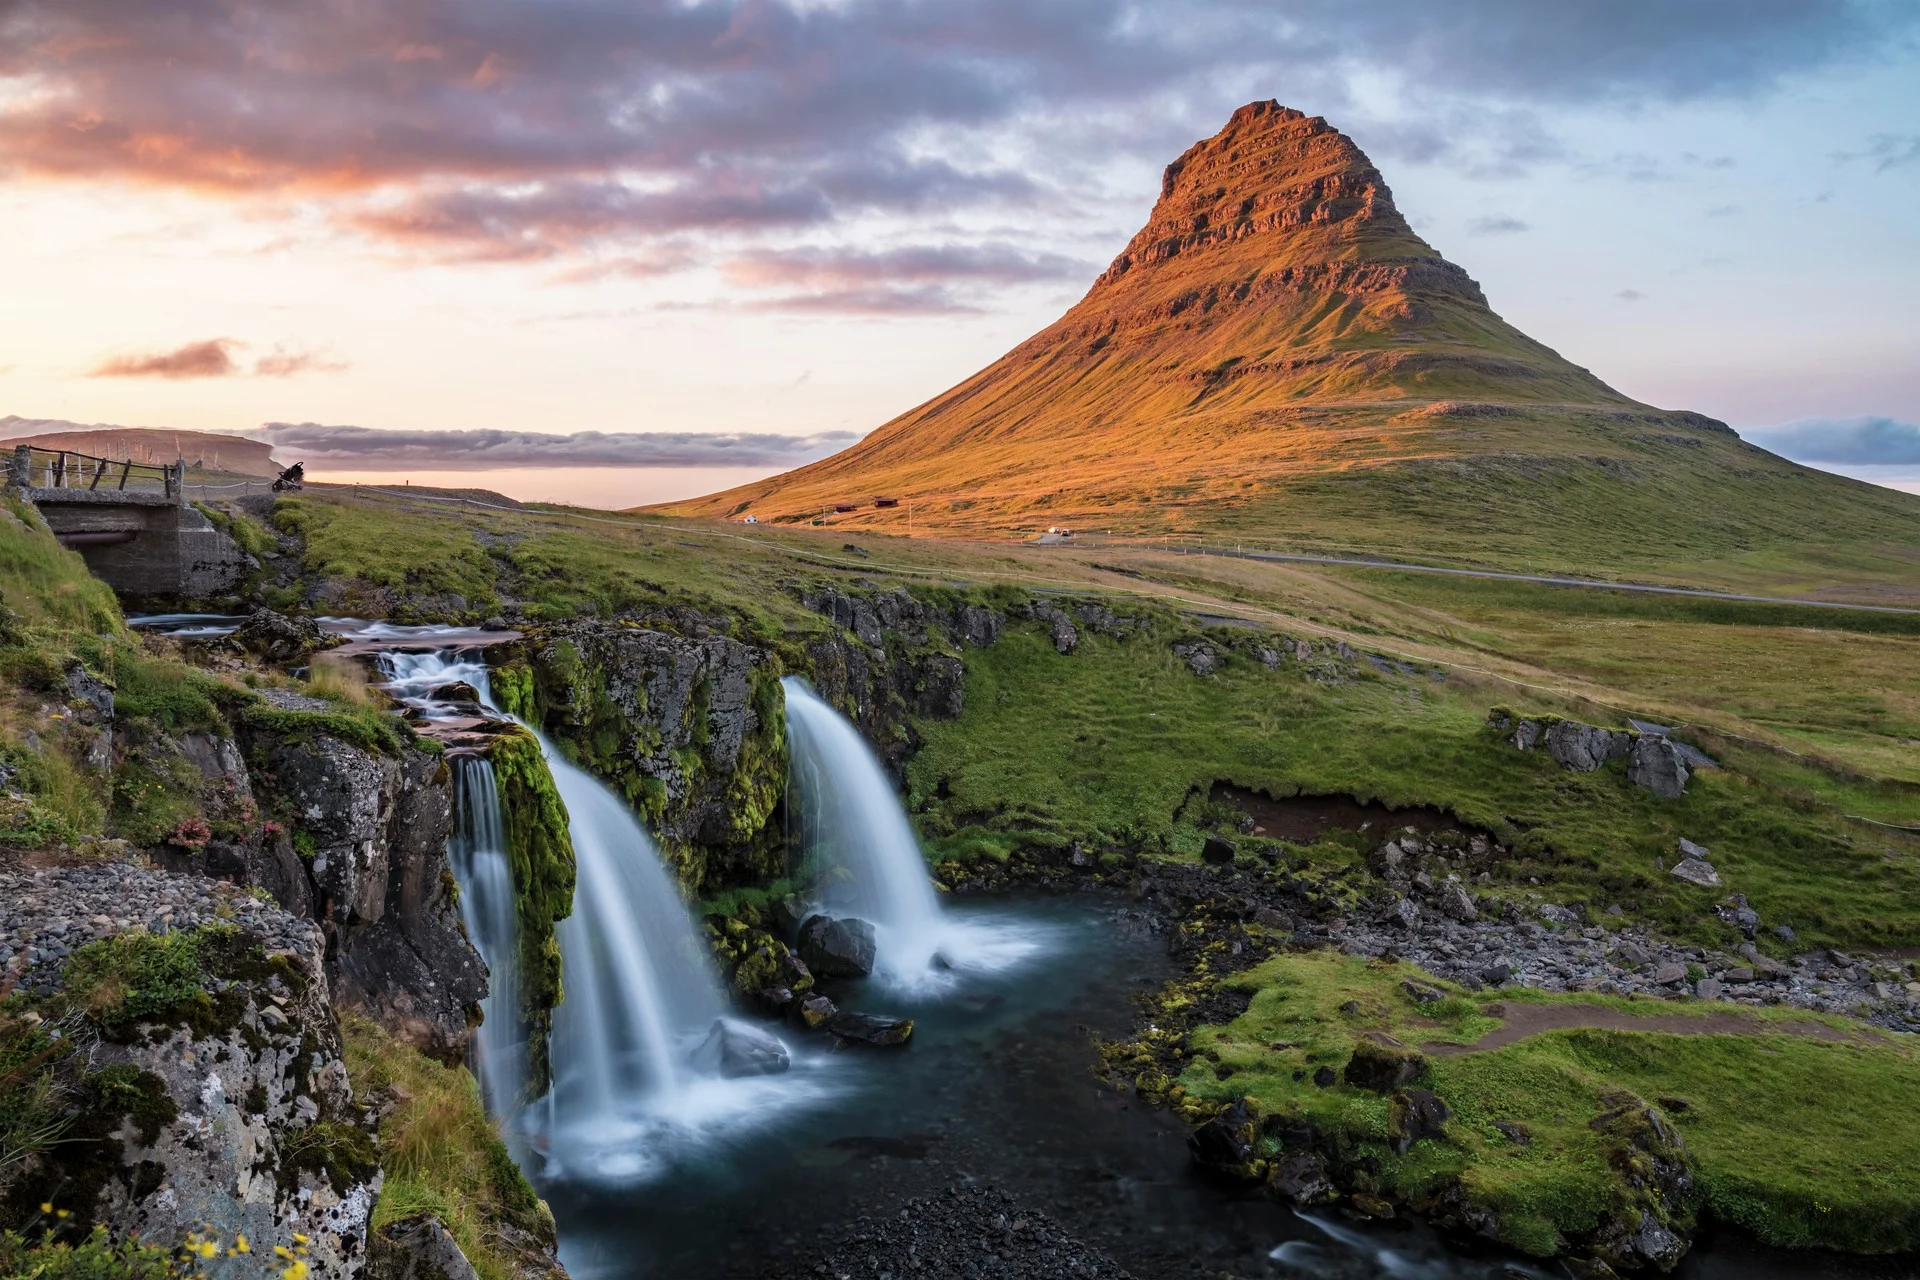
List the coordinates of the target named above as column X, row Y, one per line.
column 640, row 990
column 478, row 851
column 857, row 832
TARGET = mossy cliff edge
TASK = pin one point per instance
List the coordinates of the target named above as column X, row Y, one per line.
column 540, row 854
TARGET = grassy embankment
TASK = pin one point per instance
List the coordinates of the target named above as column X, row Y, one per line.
column 439, row 1151
column 1799, row 1139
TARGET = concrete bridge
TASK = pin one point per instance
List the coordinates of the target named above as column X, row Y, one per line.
column 130, row 521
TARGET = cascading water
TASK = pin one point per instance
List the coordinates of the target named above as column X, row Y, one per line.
column 478, row 852
column 636, row 1061
column 854, row 828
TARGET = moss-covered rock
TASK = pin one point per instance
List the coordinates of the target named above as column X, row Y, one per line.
column 690, row 729
column 540, row 854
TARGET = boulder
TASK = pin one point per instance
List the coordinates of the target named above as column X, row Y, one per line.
column 1301, row 1177
column 1383, row 1064
column 1218, row 851
column 416, row 1248
column 1657, row 765
column 1696, row 871
column 734, row 1049
column 1526, row 735
column 1583, row 747
column 1455, row 901
column 837, row 947
column 276, row 637
column 815, row 1012
column 1413, row 1114
column 1060, row 628
column 1652, row 1193
column 869, row 1028
column 1201, row 658
column 1224, row 1144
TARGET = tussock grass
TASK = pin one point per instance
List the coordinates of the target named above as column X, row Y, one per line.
column 440, row 1152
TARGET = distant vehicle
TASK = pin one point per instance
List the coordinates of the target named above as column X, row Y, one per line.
column 751, row 520
column 886, row 502
column 846, row 506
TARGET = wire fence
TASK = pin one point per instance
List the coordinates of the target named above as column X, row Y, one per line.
column 35, row 468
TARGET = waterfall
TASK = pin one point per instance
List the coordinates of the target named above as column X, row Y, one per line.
column 478, row 851
column 855, row 830
column 640, row 989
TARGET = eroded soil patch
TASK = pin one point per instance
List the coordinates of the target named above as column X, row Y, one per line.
column 1304, row 819
column 1522, row 1020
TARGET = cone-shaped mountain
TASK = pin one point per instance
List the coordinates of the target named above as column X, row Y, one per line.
column 1278, row 355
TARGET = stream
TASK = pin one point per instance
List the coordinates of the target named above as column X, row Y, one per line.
column 660, row 1172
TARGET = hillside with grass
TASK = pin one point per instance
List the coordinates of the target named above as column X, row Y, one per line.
column 1277, row 358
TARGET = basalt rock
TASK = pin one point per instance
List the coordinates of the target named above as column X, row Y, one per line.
column 1383, row 1065
column 416, row 1248
column 1658, row 765
column 1652, row 1171
column 370, row 831
column 688, row 725
column 1413, row 1115
column 1224, row 1145
column 837, row 948
column 870, row 1029
column 733, row 1049
column 276, row 637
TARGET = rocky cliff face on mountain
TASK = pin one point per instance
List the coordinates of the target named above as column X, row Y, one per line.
column 1278, row 353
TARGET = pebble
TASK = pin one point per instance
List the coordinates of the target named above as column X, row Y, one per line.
column 48, row 913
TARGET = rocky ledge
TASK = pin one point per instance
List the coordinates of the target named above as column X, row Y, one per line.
column 49, row 913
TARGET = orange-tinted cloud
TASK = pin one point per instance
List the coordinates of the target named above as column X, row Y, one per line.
column 281, row 363
column 211, row 358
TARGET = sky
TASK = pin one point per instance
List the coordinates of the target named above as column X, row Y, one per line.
column 618, row 251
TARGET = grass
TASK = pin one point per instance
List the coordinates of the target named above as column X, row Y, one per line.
column 1106, row 746
column 1796, row 1139
column 440, row 1152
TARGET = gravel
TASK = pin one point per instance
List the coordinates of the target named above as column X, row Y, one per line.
column 46, row 914
column 968, row 1230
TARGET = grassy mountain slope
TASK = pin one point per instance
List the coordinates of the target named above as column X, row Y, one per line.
column 1277, row 356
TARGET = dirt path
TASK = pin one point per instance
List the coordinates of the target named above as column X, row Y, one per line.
column 1522, row 1020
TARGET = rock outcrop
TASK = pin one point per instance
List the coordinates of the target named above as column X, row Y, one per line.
column 368, row 833
column 198, row 1065
column 687, row 724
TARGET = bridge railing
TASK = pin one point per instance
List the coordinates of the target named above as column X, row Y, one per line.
column 37, row 468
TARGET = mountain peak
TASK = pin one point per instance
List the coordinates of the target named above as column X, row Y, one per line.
column 1275, row 323
column 1275, row 187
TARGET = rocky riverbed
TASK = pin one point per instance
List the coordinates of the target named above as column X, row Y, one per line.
column 970, row 1229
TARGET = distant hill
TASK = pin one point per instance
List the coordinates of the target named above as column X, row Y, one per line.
column 1277, row 356
column 206, row 449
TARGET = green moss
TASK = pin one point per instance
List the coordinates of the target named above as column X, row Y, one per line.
column 540, row 852
column 1791, row 1137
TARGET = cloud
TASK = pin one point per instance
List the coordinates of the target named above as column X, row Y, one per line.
column 1630, row 295
column 1866, row 441
column 498, row 131
column 281, row 363
column 1496, row 226
column 211, row 358
column 356, row 448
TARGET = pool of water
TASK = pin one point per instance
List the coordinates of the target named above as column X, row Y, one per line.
column 997, row 1085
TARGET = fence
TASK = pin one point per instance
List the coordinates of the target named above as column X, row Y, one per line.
column 37, row 468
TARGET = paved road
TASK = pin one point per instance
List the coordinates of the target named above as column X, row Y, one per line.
column 1549, row 580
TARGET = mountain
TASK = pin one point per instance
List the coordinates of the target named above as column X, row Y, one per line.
column 206, row 449
column 1278, row 356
